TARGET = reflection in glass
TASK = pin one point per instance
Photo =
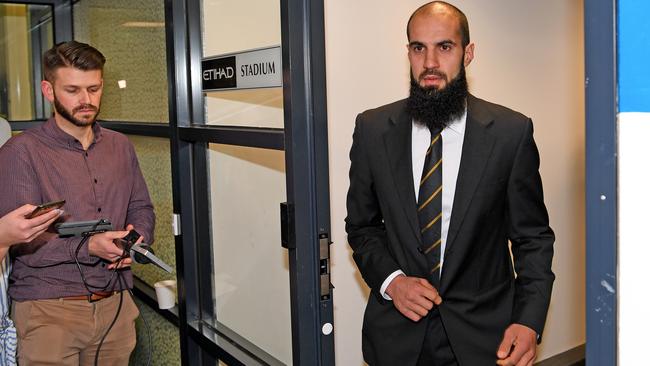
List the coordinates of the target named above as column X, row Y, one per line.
column 249, row 107
column 154, row 157
column 251, row 269
column 25, row 34
column 131, row 34
column 253, row 30
column 234, row 26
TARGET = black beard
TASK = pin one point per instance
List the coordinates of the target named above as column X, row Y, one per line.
column 68, row 115
column 437, row 108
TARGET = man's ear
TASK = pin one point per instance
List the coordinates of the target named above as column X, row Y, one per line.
column 48, row 90
column 469, row 54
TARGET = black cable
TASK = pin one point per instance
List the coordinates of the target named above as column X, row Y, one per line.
column 144, row 319
column 120, row 278
column 146, row 325
column 83, row 278
column 119, row 308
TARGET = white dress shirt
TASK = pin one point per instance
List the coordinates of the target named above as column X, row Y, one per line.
column 452, row 147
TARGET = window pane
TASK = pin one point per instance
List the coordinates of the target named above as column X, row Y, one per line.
column 154, row 157
column 26, row 33
column 131, row 35
column 251, row 269
column 249, row 107
column 252, row 29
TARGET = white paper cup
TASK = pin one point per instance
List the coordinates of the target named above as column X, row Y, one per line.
column 166, row 293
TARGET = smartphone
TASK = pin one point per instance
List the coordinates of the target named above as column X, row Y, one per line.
column 45, row 208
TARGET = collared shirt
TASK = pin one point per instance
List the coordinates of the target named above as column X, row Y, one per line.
column 103, row 182
column 452, row 147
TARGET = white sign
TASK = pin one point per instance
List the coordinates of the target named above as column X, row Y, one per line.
column 260, row 68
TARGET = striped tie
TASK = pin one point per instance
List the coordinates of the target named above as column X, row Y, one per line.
column 430, row 206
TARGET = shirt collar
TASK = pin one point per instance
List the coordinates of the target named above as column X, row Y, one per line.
column 57, row 134
column 457, row 126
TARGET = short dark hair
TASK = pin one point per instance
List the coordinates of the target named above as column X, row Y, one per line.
column 72, row 54
column 462, row 20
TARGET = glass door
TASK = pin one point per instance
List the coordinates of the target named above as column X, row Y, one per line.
column 251, row 185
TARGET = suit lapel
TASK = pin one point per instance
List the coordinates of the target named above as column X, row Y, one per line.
column 397, row 141
column 477, row 147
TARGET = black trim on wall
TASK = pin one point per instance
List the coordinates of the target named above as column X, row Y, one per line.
column 127, row 128
column 601, row 181
column 25, row 125
column 267, row 138
column 140, row 129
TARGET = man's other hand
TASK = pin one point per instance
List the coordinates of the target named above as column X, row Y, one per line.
column 102, row 245
column 518, row 347
column 130, row 227
column 413, row 296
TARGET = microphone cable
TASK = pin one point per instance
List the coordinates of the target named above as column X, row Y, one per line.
column 122, row 282
column 83, row 277
column 123, row 285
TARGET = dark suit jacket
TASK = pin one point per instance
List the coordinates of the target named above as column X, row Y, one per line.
column 498, row 198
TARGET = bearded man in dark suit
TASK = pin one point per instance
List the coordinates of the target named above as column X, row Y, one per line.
column 440, row 183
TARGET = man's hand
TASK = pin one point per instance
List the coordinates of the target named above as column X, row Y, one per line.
column 15, row 228
column 413, row 296
column 130, row 227
column 518, row 347
column 102, row 245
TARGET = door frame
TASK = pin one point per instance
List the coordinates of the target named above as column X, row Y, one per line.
column 304, row 141
column 601, row 181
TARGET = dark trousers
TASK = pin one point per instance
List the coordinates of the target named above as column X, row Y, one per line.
column 436, row 350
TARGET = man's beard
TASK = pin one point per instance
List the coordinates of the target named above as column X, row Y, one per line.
column 69, row 115
column 437, row 108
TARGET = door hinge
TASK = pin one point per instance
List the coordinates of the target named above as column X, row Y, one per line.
column 176, row 224
column 324, row 266
column 287, row 233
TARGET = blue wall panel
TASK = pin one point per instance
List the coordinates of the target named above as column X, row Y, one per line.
column 634, row 55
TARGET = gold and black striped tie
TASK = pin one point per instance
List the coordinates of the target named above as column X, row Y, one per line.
column 430, row 206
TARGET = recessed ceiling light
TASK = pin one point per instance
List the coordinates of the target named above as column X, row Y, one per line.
column 144, row 24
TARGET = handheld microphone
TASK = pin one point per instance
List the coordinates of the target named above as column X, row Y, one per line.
column 142, row 252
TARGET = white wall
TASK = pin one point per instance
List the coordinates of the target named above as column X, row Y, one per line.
column 529, row 56
column 633, row 251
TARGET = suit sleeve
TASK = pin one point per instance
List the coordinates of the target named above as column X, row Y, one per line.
column 364, row 222
column 531, row 236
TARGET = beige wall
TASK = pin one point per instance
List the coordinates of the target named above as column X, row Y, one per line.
column 19, row 81
column 529, row 56
column 131, row 35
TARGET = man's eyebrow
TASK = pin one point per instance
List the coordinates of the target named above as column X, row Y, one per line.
column 415, row 43
column 440, row 43
column 446, row 42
